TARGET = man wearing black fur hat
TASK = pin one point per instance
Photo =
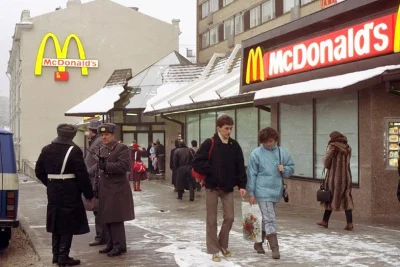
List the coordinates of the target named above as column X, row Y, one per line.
column 115, row 195
column 61, row 168
column 91, row 163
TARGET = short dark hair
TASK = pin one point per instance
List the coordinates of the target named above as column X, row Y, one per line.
column 93, row 131
column 194, row 143
column 224, row 120
column 268, row 133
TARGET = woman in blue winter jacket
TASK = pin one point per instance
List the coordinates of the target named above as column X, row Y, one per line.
column 267, row 166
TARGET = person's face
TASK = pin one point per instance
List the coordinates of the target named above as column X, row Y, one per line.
column 107, row 138
column 225, row 131
column 269, row 143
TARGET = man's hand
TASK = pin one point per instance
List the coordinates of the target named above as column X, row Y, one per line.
column 242, row 192
column 91, row 202
column 281, row 168
column 252, row 200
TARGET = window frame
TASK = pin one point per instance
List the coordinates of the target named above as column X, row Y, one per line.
column 257, row 10
column 214, row 4
column 232, row 22
column 207, row 33
column 224, row 3
column 241, row 16
column 272, row 11
column 205, row 10
column 216, row 35
column 291, row 6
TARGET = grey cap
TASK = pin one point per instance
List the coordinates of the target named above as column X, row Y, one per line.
column 66, row 131
column 94, row 124
column 107, row 128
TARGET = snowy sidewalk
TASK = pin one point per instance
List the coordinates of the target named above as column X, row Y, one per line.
column 169, row 232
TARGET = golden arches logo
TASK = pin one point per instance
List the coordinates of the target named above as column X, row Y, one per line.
column 396, row 40
column 255, row 66
column 61, row 52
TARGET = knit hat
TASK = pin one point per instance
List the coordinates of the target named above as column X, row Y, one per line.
column 66, row 131
column 107, row 128
column 94, row 124
column 135, row 146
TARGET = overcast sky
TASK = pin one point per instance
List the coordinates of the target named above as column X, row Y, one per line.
column 166, row 10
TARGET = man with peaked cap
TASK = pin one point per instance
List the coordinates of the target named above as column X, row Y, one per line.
column 61, row 168
column 95, row 144
column 115, row 195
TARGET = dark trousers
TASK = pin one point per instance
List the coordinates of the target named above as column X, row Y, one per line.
column 161, row 162
column 349, row 216
column 101, row 234
column 61, row 245
column 116, row 235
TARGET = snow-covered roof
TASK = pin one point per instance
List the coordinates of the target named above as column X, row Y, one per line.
column 333, row 84
column 99, row 103
column 220, row 79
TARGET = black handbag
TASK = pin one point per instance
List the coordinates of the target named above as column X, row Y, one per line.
column 324, row 194
column 285, row 194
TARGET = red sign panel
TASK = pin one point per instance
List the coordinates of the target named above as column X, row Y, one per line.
column 62, row 76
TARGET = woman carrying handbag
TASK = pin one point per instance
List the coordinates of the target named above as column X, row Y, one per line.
column 338, row 179
column 138, row 168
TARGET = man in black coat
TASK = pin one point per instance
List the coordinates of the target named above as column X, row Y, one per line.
column 61, row 168
column 171, row 164
column 224, row 170
column 182, row 158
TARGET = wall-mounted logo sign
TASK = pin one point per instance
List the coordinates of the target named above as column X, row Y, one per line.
column 91, row 118
column 328, row 3
column 370, row 39
column 61, row 61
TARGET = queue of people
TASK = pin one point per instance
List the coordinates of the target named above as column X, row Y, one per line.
column 99, row 183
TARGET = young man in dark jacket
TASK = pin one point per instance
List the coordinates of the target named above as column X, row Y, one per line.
column 224, row 170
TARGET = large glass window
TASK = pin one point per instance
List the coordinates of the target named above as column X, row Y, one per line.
column 296, row 129
column 228, row 28
column 205, row 39
column 337, row 114
column 205, row 9
column 268, row 11
column 247, row 130
column 192, row 127
column 289, row 4
column 214, row 36
column 255, row 19
column 207, row 125
column 265, row 119
column 227, row 2
column 230, row 113
column 214, row 5
column 239, row 26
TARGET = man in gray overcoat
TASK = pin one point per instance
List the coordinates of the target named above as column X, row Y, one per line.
column 91, row 164
column 115, row 195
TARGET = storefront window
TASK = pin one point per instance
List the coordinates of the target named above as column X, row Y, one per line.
column 207, row 125
column 337, row 114
column 265, row 119
column 230, row 113
column 296, row 130
column 192, row 127
column 247, row 130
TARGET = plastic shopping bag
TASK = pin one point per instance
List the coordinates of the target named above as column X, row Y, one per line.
column 252, row 222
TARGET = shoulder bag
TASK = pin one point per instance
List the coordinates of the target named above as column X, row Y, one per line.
column 199, row 176
column 139, row 166
column 285, row 194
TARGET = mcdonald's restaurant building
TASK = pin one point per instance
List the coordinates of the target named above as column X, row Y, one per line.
column 60, row 58
column 335, row 70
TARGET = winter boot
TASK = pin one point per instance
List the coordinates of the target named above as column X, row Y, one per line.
column 349, row 227
column 55, row 247
column 259, row 246
column 323, row 224
column 63, row 257
column 226, row 253
column 273, row 243
column 216, row 257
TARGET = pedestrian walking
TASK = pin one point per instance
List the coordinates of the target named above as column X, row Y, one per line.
column 115, row 195
column 149, row 148
column 338, row 179
column 224, row 171
column 171, row 164
column 136, row 155
column 160, row 155
column 183, row 158
column 61, row 168
column 92, row 166
column 267, row 166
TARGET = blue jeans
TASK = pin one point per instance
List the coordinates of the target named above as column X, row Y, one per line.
column 268, row 216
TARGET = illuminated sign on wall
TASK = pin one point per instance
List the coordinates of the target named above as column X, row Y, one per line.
column 370, row 39
column 328, row 3
column 61, row 61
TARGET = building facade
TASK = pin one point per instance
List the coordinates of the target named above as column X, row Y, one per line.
column 60, row 58
column 221, row 24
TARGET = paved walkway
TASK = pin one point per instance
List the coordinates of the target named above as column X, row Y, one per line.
column 169, row 232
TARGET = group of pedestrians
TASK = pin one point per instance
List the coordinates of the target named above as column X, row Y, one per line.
column 99, row 182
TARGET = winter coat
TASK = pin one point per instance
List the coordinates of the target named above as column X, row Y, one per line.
column 264, row 179
column 91, row 165
column 65, row 211
column 338, row 176
column 171, row 166
column 159, row 150
column 115, row 195
column 225, row 169
column 134, row 175
column 182, row 161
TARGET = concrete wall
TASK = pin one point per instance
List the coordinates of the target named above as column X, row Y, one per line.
column 117, row 36
column 235, row 8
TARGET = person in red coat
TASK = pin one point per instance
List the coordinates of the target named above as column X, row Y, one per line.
column 136, row 156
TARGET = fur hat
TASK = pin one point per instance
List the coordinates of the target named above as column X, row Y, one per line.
column 94, row 124
column 67, row 131
column 107, row 128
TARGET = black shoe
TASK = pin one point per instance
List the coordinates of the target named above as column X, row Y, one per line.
column 68, row 262
column 105, row 250
column 192, row 199
column 115, row 252
column 180, row 198
column 55, row 260
column 96, row 243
